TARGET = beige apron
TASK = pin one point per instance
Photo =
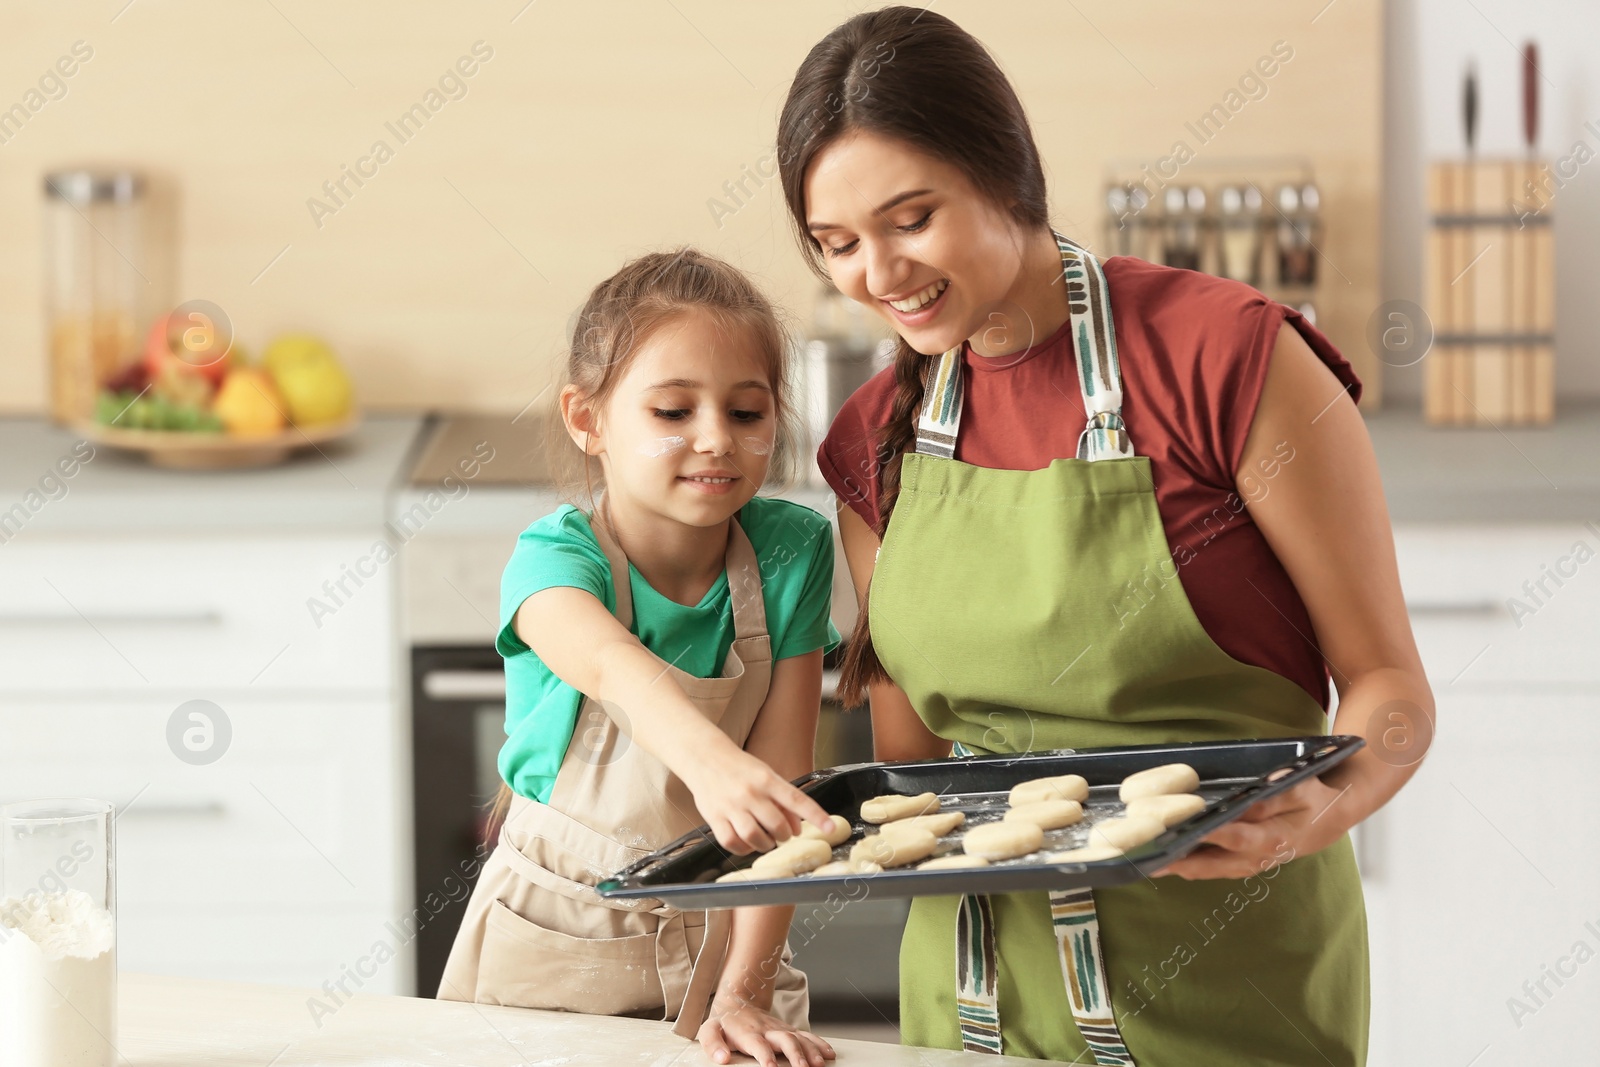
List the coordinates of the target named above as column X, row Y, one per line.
column 536, row 934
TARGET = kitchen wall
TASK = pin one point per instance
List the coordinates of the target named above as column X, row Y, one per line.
column 1429, row 43
column 586, row 134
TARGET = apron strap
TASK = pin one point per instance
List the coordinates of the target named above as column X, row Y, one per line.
column 1077, row 927
column 1094, row 340
column 703, row 979
column 977, row 1004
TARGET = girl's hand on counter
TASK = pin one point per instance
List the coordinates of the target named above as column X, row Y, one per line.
column 1294, row 823
column 742, row 1027
column 747, row 805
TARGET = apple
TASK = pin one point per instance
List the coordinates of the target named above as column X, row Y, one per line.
column 190, row 344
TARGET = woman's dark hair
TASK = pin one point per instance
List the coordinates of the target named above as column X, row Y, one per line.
column 912, row 75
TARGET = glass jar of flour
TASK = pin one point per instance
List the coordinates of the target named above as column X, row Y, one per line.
column 58, row 940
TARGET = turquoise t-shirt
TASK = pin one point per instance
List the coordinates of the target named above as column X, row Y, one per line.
column 794, row 551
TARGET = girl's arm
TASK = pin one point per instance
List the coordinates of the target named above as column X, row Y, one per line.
column 898, row 732
column 785, row 737
column 746, row 804
column 1324, row 516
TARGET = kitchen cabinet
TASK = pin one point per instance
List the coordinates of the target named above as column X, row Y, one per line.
column 262, row 841
column 259, row 601
column 1482, row 885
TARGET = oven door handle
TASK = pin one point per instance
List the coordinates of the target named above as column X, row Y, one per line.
column 464, row 685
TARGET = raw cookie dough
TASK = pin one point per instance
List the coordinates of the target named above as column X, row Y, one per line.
column 1049, row 814
column 848, row 867
column 893, row 806
column 837, row 834
column 938, row 824
column 746, row 875
column 1126, row 832
column 1061, row 787
column 953, row 861
column 1170, row 808
column 895, row 849
column 795, row 856
column 1086, row 854
column 1168, row 778
column 1003, row 840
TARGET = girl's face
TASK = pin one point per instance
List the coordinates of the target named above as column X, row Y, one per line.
column 688, row 431
column 912, row 238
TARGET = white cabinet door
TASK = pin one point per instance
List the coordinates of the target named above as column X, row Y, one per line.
column 1483, row 886
column 196, row 614
column 299, row 813
column 1503, row 604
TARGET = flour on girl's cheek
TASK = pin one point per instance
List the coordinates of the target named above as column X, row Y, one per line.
column 756, row 446
column 662, row 446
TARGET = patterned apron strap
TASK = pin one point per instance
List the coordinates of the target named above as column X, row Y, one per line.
column 977, row 1005
column 1094, row 339
column 1077, row 927
column 941, row 406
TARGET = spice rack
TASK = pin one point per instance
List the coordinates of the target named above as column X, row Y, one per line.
column 1258, row 220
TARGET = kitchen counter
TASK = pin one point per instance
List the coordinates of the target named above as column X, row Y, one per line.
column 1483, row 475
column 337, row 485
column 168, row 1022
column 1430, row 476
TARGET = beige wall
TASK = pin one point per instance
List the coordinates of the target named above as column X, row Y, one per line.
column 593, row 133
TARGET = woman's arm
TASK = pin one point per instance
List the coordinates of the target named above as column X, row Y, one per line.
column 898, row 732
column 746, row 804
column 785, row 737
column 1325, row 518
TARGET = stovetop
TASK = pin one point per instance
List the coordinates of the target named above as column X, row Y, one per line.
column 531, row 450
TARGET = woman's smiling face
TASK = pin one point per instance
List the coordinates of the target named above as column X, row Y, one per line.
column 911, row 237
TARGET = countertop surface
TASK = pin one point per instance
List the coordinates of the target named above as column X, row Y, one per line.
column 1490, row 476
column 177, row 1022
column 337, row 485
column 1431, row 475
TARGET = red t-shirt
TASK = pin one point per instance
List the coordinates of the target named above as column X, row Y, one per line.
column 1194, row 351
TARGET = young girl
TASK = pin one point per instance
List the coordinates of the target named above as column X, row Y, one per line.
column 663, row 667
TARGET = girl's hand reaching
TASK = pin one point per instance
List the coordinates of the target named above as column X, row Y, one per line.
column 747, row 805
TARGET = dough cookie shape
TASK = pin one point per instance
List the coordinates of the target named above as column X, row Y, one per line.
column 1060, row 787
column 837, row 834
column 1048, row 814
column 1169, row 808
column 848, row 867
column 795, row 856
column 893, row 806
column 1126, row 832
column 939, row 824
column 954, row 861
column 1003, row 840
column 894, row 849
column 1158, row 781
column 747, row 874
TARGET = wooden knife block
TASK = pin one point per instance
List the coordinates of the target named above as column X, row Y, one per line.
column 1490, row 285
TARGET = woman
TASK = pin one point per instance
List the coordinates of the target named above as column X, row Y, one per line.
column 1097, row 503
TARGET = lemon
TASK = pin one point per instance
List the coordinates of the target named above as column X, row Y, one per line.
column 308, row 375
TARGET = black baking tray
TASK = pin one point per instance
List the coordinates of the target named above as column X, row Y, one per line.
column 1233, row 776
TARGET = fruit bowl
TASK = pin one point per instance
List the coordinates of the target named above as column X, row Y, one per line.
column 192, row 450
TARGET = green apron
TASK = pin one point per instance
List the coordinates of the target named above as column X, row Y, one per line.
column 1032, row 610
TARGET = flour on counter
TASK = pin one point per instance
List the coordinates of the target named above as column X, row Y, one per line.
column 58, row 981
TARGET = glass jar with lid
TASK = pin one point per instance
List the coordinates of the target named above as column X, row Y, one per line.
column 99, row 296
